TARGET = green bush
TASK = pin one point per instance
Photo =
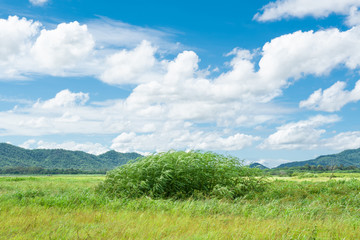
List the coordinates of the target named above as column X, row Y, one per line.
column 179, row 175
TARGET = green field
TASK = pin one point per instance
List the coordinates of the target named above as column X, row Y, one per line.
column 67, row 207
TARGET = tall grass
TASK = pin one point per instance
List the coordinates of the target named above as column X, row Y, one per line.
column 182, row 175
column 68, row 207
column 280, row 199
column 53, row 223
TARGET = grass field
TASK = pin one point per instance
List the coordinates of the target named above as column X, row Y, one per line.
column 67, row 207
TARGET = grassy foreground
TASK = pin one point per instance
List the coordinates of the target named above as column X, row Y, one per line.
column 67, row 207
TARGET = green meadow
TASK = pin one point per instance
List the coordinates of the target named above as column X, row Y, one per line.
column 69, row 207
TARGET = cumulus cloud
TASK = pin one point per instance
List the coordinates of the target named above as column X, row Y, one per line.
column 180, row 139
column 63, row 47
column 38, row 2
column 181, row 91
column 146, row 129
column 64, row 98
column 92, row 148
column 299, row 135
column 24, row 49
column 130, row 67
column 302, row 53
column 353, row 18
column 343, row 141
column 69, row 49
column 74, row 49
column 65, row 113
column 176, row 91
column 302, row 8
column 307, row 135
column 332, row 99
column 16, row 35
column 15, row 41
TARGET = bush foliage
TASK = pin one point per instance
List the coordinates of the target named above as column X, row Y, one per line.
column 179, row 175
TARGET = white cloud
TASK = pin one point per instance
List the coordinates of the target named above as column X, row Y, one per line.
column 153, row 127
column 28, row 144
column 176, row 92
column 65, row 113
column 73, row 49
column 180, row 139
column 307, row 135
column 112, row 35
column 353, row 18
column 271, row 162
column 38, row 2
column 299, row 135
column 303, row 53
column 333, row 98
column 343, row 141
column 64, row 98
column 15, row 40
column 16, row 35
column 302, row 8
column 182, row 92
column 92, row 148
column 130, row 67
column 143, row 129
column 24, row 49
column 70, row 50
column 9, row 99
column 63, row 47
column 230, row 143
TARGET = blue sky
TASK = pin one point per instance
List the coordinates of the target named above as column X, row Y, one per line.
column 267, row 81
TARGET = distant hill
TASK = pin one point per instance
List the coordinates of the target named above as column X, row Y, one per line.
column 257, row 165
column 346, row 158
column 13, row 156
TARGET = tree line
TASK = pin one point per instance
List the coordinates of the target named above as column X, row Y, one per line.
column 45, row 171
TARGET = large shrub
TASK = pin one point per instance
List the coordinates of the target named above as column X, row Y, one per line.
column 182, row 175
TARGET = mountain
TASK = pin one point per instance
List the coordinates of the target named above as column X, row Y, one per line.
column 13, row 156
column 346, row 158
column 257, row 165
column 115, row 158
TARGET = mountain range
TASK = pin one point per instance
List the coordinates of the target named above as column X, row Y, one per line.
column 13, row 156
column 345, row 158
